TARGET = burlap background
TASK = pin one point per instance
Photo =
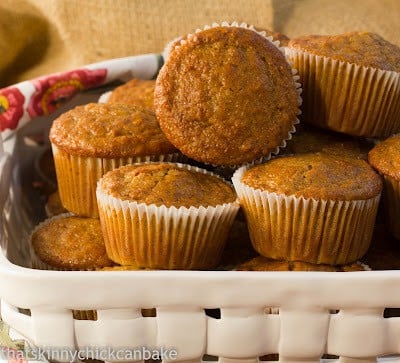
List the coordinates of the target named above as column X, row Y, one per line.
column 43, row 36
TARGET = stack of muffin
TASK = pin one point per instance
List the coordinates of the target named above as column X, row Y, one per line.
column 228, row 99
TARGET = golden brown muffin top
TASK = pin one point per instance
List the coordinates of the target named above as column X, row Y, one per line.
column 166, row 184
column 109, row 131
column 226, row 96
column 72, row 243
column 262, row 263
column 312, row 140
column 316, row 175
column 361, row 48
column 137, row 92
column 385, row 157
column 283, row 39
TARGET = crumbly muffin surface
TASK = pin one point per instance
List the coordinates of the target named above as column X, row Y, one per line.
column 166, row 184
column 385, row 157
column 138, row 92
column 313, row 140
column 262, row 263
column 109, row 131
column 71, row 243
column 361, row 48
column 316, row 175
column 226, row 96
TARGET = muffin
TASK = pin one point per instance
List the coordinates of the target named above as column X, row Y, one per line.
column 226, row 96
column 68, row 242
column 137, row 92
column 316, row 140
column 262, row 263
column 92, row 139
column 312, row 207
column 351, row 82
column 385, row 158
column 165, row 215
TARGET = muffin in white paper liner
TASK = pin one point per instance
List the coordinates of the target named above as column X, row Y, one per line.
column 348, row 98
column 77, row 177
column 334, row 232
column 175, row 44
column 161, row 237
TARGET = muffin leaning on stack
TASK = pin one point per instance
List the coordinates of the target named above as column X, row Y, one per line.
column 226, row 96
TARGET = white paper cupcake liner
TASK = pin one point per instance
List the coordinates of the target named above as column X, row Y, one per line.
column 77, row 177
column 161, row 237
column 299, row 229
column 345, row 97
column 296, row 79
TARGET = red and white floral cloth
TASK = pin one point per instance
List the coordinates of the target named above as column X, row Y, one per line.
column 27, row 100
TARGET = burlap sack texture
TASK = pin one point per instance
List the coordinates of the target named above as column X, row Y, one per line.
column 43, row 36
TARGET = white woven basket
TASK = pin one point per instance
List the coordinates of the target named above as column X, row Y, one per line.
column 303, row 331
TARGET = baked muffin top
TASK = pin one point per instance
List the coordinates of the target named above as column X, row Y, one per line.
column 316, row 175
column 312, row 140
column 137, row 92
column 166, row 184
column 361, row 48
column 385, row 157
column 283, row 39
column 109, row 131
column 72, row 243
column 262, row 263
column 226, row 96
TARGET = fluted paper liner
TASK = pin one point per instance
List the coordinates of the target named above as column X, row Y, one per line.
column 182, row 40
column 392, row 204
column 77, row 177
column 345, row 97
column 160, row 237
column 317, row 231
